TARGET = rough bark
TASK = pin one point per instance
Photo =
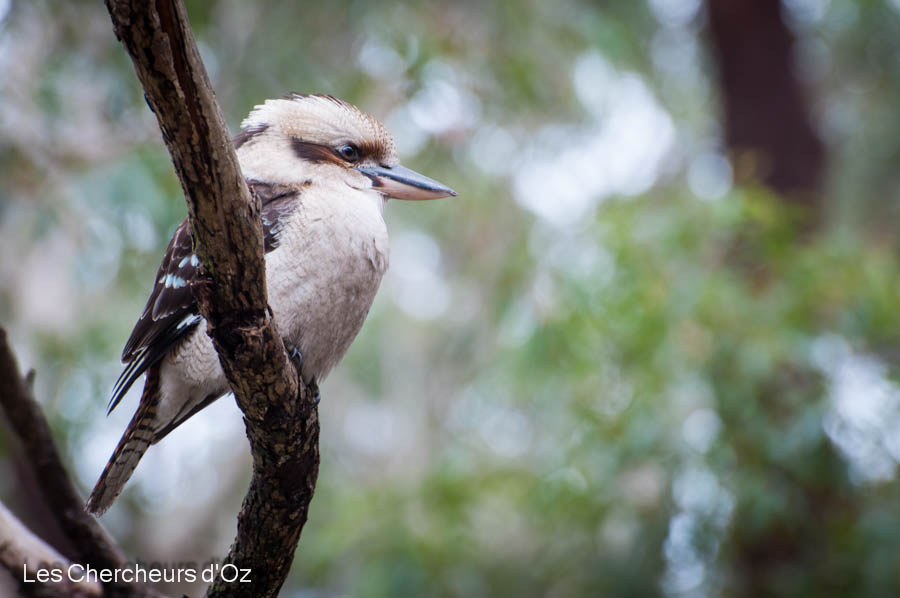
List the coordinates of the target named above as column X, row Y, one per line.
column 768, row 128
column 279, row 413
column 92, row 544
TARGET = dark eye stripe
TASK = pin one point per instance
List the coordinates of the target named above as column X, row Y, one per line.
column 248, row 134
column 314, row 152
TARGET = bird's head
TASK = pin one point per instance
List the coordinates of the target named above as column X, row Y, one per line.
column 319, row 138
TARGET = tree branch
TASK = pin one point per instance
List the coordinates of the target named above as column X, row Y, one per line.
column 20, row 548
column 92, row 543
column 279, row 413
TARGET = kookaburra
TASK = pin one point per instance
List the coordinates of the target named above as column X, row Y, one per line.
column 323, row 171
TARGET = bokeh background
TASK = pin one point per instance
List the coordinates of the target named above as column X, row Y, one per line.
column 650, row 350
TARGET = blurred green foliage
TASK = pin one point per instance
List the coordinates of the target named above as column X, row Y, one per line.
column 673, row 405
column 650, row 386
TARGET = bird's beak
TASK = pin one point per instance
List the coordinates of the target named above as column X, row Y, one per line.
column 402, row 183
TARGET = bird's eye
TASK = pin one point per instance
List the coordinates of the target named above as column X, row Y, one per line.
column 349, row 152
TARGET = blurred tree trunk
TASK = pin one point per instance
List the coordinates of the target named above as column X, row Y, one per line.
column 768, row 129
column 769, row 134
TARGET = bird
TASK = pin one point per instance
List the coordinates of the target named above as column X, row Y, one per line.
column 323, row 171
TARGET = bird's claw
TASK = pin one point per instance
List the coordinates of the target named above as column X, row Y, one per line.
column 296, row 356
column 314, row 387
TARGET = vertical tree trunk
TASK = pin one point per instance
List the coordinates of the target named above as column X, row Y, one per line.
column 768, row 129
column 769, row 134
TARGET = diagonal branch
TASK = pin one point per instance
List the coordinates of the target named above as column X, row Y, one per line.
column 93, row 545
column 279, row 413
column 24, row 554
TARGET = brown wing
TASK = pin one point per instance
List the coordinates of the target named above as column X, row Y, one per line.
column 171, row 311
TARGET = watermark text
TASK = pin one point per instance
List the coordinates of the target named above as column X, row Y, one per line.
column 137, row 572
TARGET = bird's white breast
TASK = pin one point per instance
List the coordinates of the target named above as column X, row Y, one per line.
column 321, row 281
column 323, row 276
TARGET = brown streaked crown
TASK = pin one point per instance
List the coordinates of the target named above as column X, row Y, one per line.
column 316, row 126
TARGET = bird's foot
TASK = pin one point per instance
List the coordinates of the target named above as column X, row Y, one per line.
column 297, row 358
column 295, row 355
column 314, row 387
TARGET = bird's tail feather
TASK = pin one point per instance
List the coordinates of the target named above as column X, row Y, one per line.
column 134, row 443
